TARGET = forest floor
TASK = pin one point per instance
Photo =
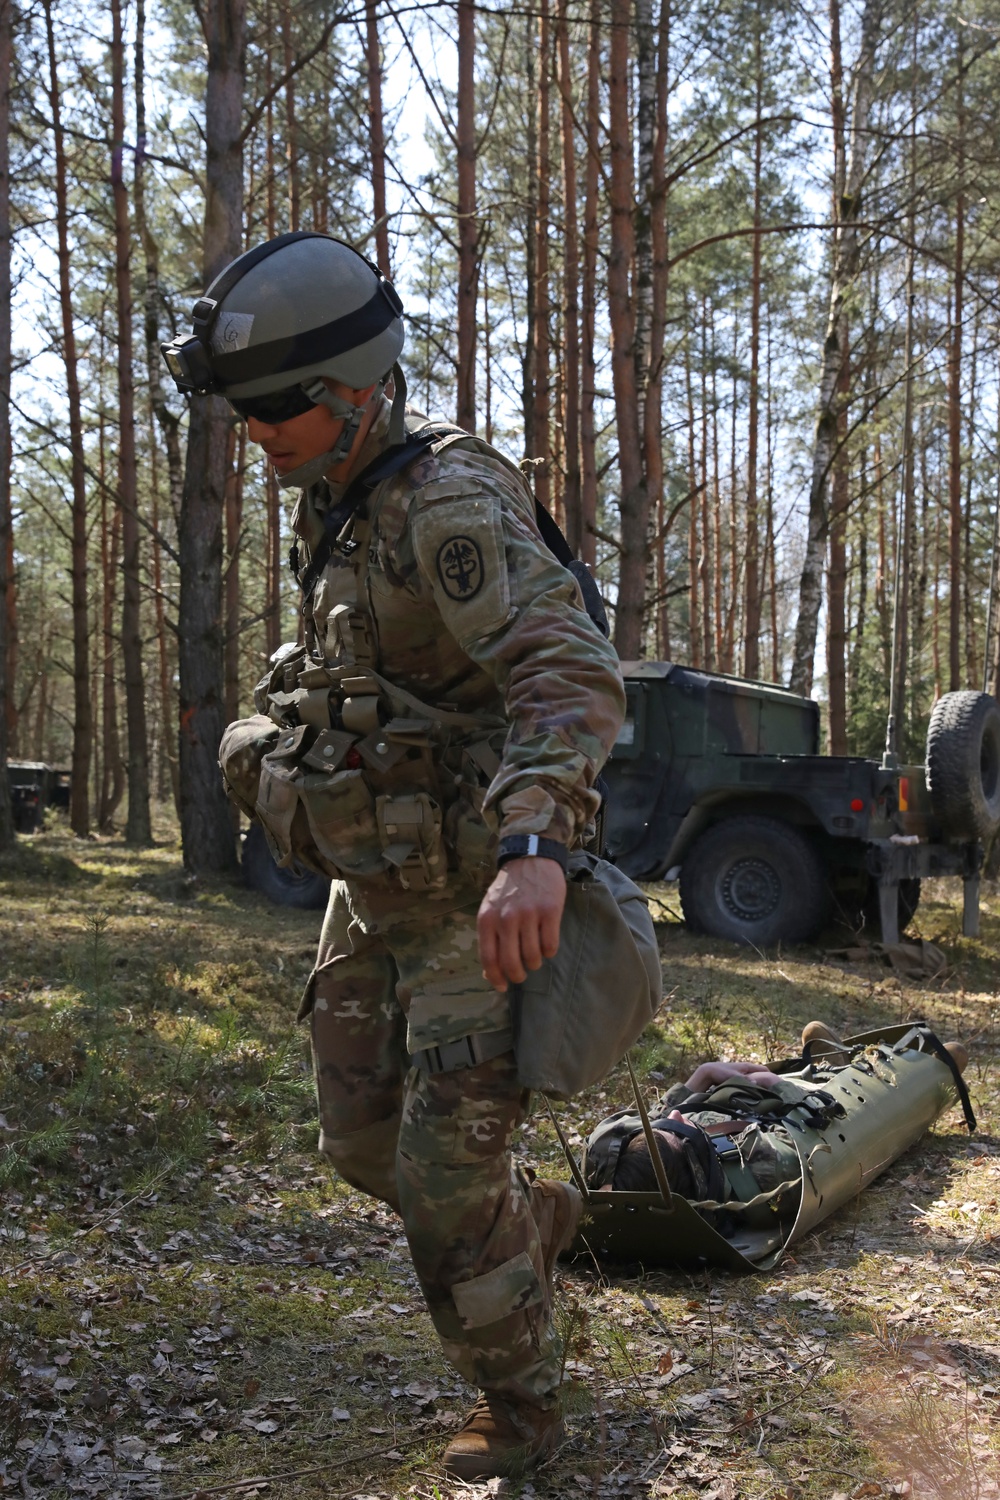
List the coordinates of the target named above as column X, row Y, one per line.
column 193, row 1303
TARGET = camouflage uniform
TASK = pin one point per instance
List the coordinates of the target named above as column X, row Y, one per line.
column 755, row 1155
column 451, row 596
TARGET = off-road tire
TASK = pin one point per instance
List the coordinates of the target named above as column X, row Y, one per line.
column 756, row 881
column 963, row 765
column 303, row 889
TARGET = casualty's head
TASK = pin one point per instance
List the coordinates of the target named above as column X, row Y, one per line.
column 300, row 335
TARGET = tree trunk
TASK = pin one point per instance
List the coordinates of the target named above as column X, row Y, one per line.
column 468, row 250
column 83, row 724
column 168, row 421
column 621, row 314
column 652, row 375
column 138, row 829
column 542, row 452
column 846, row 255
column 291, row 126
column 955, row 407
column 205, row 822
column 234, row 526
column 166, row 680
column 751, row 610
column 6, row 519
column 376, row 132
column 530, row 213
column 110, row 778
column 588, row 374
column 571, row 297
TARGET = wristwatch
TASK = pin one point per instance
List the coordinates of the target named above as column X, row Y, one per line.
column 531, row 846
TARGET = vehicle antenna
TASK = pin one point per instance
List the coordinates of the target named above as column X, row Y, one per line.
column 890, row 758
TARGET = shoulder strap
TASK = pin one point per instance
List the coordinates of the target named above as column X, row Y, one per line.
column 562, row 551
column 381, row 468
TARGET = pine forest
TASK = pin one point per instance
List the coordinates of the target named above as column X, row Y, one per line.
column 724, row 277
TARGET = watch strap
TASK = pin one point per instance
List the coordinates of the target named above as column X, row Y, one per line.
column 531, row 846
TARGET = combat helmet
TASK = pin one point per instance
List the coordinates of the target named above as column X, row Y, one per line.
column 282, row 317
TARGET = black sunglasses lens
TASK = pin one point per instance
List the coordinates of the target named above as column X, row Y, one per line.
column 275, row 407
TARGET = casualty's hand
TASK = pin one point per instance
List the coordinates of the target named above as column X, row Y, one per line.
column 709, row 1074
column 519, row 919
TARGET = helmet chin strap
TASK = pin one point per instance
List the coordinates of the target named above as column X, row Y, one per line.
column 314, row 469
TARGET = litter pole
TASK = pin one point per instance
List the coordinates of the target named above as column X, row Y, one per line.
column 654, row 1150
column 574, row 1165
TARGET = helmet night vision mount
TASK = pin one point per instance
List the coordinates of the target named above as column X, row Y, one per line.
column 264, row 338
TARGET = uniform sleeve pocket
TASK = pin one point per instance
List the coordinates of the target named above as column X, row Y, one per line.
column 459, row 546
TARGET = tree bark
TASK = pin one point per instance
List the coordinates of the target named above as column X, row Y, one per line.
column 205, row 822
column 846, row 257
column 751, row 609
column 571, row 296
column 621, row 312
column 376, row 133
column 291, row 125
column 588, row 374
column 167, row 420
column 6, row 518
column 955, row 405
column 468, row 235
column 83, row 724
column 543, row 173
column 138, row 828
column 652, row 375
column 234, row 527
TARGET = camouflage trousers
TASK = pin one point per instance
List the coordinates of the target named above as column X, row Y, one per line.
column 434, row 1146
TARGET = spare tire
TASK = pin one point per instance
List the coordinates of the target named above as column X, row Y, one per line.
column 292, row 887
column 754, row 880
column 963, row 764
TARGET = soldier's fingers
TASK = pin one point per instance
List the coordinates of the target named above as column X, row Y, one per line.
column 549, row 925
column 531, row 949
column 489, row 955
column 510, row 949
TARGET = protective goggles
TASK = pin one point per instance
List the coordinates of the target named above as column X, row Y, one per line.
column 275, row 407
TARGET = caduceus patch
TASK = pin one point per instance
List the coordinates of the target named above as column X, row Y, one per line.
column 460, row 568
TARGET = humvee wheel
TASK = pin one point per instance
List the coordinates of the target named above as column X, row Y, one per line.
column 963, row 764
column 754, row 880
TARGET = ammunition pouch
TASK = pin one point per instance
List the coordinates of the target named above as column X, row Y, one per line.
column 358, row 779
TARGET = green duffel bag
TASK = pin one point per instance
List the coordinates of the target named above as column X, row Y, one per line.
column 576, row 1017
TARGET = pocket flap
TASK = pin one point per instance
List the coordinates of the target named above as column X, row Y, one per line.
column 507, row 1289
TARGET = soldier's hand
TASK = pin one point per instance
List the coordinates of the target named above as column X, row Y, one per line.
column 519, row 919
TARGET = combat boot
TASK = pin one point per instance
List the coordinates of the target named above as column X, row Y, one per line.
column 827, row 1047
column 959, row 1055
column 556, row 1208
column 501, row 1439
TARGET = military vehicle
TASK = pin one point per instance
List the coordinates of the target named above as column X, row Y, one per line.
column 718, row 781
column 34, row 786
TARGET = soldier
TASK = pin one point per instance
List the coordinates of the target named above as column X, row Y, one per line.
column 434, row 745
column 710, row 1156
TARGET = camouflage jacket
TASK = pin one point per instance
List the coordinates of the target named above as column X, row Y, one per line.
column 466, row 609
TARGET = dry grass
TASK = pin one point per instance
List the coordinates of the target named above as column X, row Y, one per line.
column 192, row 1301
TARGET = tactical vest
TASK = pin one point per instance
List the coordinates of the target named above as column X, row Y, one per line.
column 365, row 780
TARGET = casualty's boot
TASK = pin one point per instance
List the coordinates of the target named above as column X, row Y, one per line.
column 827, row 1047
column 501, row 1439
column 556, row 1208
column 959, row 1055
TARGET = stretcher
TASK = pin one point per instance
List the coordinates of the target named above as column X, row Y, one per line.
column 898, row 1081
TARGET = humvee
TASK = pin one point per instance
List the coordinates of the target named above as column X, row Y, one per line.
column 717, row 781
column 34, row 786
